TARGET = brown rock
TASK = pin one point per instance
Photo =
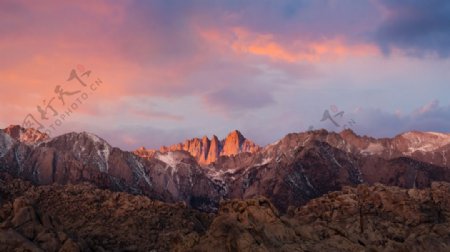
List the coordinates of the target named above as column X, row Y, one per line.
column 98, row 220
column 377, row 218
column 10, row 240
column 69, row 246
column 48, row 241
column 214, row 150
column 207, row 151
column 27, row 136
column 363, row 218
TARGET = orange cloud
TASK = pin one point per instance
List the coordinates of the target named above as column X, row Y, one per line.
column 243, row 41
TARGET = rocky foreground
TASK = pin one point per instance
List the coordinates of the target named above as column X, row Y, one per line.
column 84, row 218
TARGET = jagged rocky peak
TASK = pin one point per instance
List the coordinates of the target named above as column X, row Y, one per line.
column 26, row 136
column 418, row 137
column 232, row 144
column 214, row 150
column 207, row 151
column 235, row 134
column 236, row 143
column 348, row 133
column 145, row 153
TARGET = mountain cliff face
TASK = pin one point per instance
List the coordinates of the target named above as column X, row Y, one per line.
column 84, row 157
column 304, row 166
column 207, row 151
column 290, row 172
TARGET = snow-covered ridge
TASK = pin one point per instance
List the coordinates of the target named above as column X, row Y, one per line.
column 95, row 138
column 425, row 141
column 168, row 158
column 85, row 146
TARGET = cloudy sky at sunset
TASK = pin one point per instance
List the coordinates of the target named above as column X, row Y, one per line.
column 172, row 70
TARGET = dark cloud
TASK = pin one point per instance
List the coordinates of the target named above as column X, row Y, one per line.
column 417, row 27
column 237, row 98
column 378, row 123
column 294, row 19
column 288, row 20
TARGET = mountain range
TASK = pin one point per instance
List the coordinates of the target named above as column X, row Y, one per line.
column 202, row 172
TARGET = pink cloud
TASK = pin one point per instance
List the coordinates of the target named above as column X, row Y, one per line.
column 299, row 50
column 433, row 105
column 234, row 58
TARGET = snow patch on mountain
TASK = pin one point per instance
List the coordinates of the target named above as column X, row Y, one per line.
column 444, row 154
column 425, row 141
column 94, row 138
column 306, row 141
column 140, row 171
column 6, row 143
column 103, row 150
column 373, row 148
column 440, row 135
column 265, row 161
column 216, row 174
column 423, row 148
column 308, row 182
column 104, row 155
column 168, row 158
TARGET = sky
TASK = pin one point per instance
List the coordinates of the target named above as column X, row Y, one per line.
column 153, row 73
